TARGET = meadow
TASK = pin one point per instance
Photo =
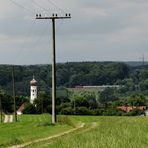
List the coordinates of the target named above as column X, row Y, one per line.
column 104, row 132
column 28, row 128
column 98, row 132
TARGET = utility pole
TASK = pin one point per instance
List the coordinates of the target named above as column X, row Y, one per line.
column 53, row 18
column 14, row 99
column 1, row 107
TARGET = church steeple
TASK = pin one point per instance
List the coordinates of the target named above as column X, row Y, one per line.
column 33, row 90
column 33, row 82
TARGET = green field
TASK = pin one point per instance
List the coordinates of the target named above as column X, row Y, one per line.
column 104, row 132
column 98, row 132
column 28, row 128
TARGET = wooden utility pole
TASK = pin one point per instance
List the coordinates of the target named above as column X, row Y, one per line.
column 1, row 107
column 14, row 99
column 53, row 18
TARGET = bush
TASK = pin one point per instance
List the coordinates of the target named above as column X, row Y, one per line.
column 65, row 120
column 82, row 111
column 135, row 112
column 30, row 109
column 112, row 112
column 67, row 111
column 97, row 112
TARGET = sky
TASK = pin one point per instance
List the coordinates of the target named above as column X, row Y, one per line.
column 99, row 30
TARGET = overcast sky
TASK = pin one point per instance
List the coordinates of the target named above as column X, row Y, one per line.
column 100, row 30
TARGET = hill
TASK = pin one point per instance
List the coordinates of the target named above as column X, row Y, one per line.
column 68, row 75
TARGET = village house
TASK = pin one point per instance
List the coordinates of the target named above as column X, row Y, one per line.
column 130, row 108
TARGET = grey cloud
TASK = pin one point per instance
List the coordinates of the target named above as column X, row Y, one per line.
column 98, row 30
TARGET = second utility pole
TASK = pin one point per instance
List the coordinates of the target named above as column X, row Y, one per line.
column 14, row 97
column 53, row 18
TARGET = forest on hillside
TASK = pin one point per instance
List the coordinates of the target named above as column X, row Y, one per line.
column 74, row 74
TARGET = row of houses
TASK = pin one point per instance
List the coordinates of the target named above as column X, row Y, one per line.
column 130, row 108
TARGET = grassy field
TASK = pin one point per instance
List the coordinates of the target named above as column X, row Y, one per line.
column 29, row 127
column 98, row 132
column 104, row 132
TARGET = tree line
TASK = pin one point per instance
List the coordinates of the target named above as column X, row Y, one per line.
column 68, row 75
column 132, row 79
column 75, row 74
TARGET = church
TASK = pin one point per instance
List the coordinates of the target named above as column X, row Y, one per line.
column 33, row 90
column 33, row 95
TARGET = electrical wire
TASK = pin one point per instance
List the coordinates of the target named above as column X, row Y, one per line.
column 27, row 36
column 21, row 6
column 60, row 9
column 38, row 44
column 41, row 37
column 39, row 6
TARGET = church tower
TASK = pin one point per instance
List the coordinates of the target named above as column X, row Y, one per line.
column 33, row 90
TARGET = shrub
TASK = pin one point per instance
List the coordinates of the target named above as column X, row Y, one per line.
column 30, row 109
column 97, row 112
column 67, row 111
column 65, row 120
column 135, row 112
column 112, row 112
column 82, row 111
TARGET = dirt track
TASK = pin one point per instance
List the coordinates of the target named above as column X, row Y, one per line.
column 49, row 138
column 93, row 125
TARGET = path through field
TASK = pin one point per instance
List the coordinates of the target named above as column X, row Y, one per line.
column 111, row 132
column 90, row 132
column 50, row 137
column 82, row 131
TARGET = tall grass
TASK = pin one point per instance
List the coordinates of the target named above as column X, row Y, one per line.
column 110, row 132
column 28, row 127
column 66, row 120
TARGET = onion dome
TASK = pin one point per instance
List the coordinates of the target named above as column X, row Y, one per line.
column 33, row 82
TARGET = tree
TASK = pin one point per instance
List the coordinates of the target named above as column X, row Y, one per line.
column 137, row 100
column 42, row 103
column 128, row 85
column 30, row 109
column 85, row 99
column 144, row 85
column 107, row 95
column 20, row 100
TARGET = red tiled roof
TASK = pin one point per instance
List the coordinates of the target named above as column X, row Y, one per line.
column 21, row 108
column 130, row 108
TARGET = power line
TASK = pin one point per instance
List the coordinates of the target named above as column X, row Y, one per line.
column 21, row 6
column 60, row 9
column 34, row 44
column 39, row 6
column 38, row 42
column 27, row 36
